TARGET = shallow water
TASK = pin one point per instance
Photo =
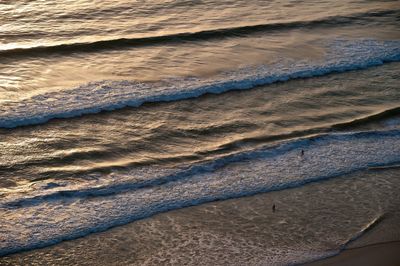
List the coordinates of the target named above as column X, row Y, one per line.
column 113, row 112
column 310, row 222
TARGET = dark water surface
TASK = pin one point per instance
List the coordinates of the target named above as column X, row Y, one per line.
column 115, row 111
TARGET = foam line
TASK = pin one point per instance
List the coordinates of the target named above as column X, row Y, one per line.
column 342, row 55
column 42, row 221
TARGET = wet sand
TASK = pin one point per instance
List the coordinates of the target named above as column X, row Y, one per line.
column 379, row 246
column 387, row 254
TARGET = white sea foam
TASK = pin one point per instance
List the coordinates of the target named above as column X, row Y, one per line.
column 61, row 213
column 342, row 55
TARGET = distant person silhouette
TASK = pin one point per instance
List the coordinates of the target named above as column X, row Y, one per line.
column 273, row 208
column 302, row 152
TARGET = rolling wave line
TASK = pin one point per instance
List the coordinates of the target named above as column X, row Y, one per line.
column 124, row 43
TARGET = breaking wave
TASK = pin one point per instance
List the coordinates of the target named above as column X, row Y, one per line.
column 142, row 192
column 341, row 56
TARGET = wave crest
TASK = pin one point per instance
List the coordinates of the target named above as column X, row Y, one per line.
column 342, row 55
column 123, row 43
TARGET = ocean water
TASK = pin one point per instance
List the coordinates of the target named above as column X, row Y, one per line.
column 116, row 111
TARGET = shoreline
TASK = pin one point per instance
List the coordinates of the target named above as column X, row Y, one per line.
column 309, row 223
column 386, row 253
column 378, row 245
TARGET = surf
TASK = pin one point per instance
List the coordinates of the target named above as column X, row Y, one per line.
column 111, row 95
column 142, row 192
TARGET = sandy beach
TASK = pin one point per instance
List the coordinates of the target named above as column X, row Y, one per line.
column 379, row 246
column 374, row 255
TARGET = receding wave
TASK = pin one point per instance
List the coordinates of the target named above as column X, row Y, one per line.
column 341, row 56
column 123, row 43
column 61, row 212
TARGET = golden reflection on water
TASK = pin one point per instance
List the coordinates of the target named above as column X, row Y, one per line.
column 43, row 23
